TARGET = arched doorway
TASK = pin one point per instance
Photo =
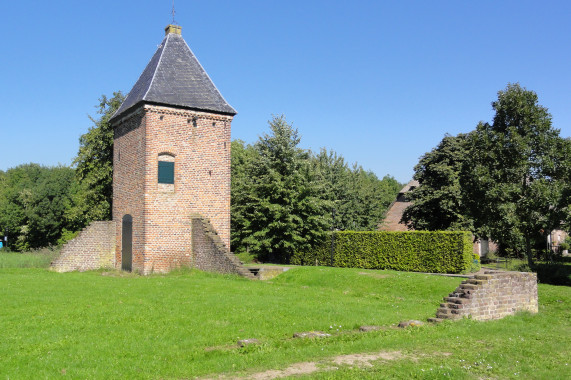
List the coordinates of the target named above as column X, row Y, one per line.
column 127, row 243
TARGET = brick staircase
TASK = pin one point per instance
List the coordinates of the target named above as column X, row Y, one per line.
column 92, row 248
column 210, row 253
column 492, row 295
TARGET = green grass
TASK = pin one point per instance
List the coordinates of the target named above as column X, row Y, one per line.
column 186, row 324
column 40, row 258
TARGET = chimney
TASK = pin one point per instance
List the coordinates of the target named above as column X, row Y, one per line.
column 175, row 29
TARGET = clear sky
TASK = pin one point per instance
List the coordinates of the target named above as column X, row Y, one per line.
column 380, row 82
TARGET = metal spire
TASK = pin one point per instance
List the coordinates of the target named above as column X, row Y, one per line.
column 173, row 13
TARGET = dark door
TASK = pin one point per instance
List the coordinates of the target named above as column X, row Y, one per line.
column 127, row 243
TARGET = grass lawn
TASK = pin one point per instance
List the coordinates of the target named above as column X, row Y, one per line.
column 40, row 258
column 186, row 325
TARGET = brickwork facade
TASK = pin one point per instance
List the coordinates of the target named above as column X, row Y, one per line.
column 92, row 248
column 492, row 295
column 199, row 145
column 210, row 253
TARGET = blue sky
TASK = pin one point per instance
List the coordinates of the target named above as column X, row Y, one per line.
column 379, row 82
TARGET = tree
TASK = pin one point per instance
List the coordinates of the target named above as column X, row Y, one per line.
column 438, row 203
column 94, row 167
column 344, row 198
column 508, row 180
column 565, row 201
column 243, row 158
column 358, row 198
column 519, row 170
column 370, row 198
column 283, row 211
column 332, row 174
column 33, row 201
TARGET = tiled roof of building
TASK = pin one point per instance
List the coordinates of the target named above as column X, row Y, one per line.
column 396, row 209
column 174, row 77
column 409, row 186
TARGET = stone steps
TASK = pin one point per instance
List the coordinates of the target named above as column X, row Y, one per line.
column 221, row 249
column 491, row 295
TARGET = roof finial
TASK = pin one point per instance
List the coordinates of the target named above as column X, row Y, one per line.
column 173, row 28
column 173, row 13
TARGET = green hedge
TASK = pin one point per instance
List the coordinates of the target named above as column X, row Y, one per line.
column 413, row 251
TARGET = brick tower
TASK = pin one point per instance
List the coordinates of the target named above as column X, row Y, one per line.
column 171, row 160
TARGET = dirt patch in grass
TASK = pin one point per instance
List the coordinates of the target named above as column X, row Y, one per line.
column 330, row 364
column 374, row 275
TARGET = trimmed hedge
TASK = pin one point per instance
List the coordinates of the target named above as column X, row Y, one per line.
column 411, row 251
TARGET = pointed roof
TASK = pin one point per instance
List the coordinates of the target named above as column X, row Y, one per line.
column 395, row 211
column 174, row 77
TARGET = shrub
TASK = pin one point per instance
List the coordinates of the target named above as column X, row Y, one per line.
column 67, row 236
column 413, row 251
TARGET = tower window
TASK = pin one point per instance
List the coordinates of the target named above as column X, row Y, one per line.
column 166, row 172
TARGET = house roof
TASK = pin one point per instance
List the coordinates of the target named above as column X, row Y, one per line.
column 174, row 77
column 395, row 211
column 409, row 186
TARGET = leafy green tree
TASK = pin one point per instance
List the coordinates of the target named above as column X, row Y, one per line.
column 283, row 212
column 565, row 201
column 94, row 167
column 438, row 203
column 508, row 180
column 369, row 198
column 33, row 202
column 358, row 198
column 519, row 171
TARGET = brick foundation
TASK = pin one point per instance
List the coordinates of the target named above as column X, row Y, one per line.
column 210, row 253
column 93, row 248
column 492, row 295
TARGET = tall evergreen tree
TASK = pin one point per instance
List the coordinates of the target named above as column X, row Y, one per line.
column 283, row 212
column 243, row 158
column 333, row 176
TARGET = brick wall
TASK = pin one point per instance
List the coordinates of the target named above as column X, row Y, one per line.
column 210, row 253
column 129, row 183
column 199, row 143
column 93, row 248
column 492, row 295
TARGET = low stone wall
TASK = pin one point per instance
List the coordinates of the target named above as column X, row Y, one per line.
column 209, row 252
column 93, row 248
column 492, row 295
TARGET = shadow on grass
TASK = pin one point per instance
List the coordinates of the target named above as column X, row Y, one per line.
column 554, row 273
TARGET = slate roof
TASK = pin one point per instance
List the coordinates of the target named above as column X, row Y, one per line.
column 174, row 77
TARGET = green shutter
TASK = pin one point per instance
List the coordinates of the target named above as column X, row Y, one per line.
column 166, row 172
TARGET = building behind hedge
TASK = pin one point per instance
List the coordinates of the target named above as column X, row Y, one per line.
column 395, row 212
